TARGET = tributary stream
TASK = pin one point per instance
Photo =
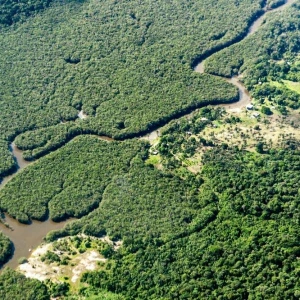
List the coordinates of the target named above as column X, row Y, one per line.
column 28, row 237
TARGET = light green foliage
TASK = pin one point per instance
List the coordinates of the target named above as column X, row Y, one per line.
column 239, row 240
column 230, row 232
column 179, row 136
column 88, row 293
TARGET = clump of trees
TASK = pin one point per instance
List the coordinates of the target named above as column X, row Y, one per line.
column 68, row 182
column 16, row 286
column 6, row 248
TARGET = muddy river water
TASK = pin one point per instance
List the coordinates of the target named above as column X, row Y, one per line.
column 24, row 237
column 27, row 237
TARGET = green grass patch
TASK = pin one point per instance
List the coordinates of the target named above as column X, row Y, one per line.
column 294, row 86
column 153, row 160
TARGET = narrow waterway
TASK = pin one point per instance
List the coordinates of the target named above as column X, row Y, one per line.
column 244, row 98
column 21, row 162
column 244, row 95
column 24, row 237
column 28, row 237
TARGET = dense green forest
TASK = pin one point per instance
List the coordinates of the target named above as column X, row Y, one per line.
column 237, row 237
column 127, row 64
column 232, row 230
column 6, row 248
column 68, row 182
column 14, row 285
column 7, row 163
column 12, row 11
column 39, row 142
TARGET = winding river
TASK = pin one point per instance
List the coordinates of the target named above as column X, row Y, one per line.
column 244, row 98
column 21, row 162
column 27, row 237
column 24, row 237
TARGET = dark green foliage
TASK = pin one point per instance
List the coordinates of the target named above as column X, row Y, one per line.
column 178, row 136
column 107, row 251
column 50, row 257
column 42, row 141
column 271, row 4
column 6, row 248
column 96, row 294
column 266, row 110
column 7, row 163
column 279, row 95
column 14, row 285
column 127, row 64
column 58, row 289
column 232, row 231
column 235, row 235
column 69, row 182
column 278, row 36
column 12, row 11
column 260, row 147
column 139, row 205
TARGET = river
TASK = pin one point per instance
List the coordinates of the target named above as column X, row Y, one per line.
column 21, row 162
column 244, row 98
column 26, row 237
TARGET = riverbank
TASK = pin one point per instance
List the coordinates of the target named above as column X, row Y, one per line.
column 244, row 100
column 67, row 258
column 26, row 237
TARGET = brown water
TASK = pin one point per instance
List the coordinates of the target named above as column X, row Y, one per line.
column 257, row 23
column 26, row 237
column 245, row 98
